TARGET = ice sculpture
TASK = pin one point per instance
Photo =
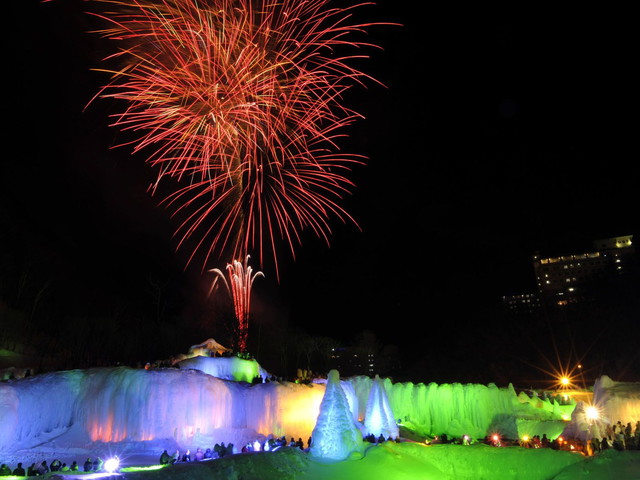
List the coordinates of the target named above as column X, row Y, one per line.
column 335, row 435
column 379, row 419
column 226, row 368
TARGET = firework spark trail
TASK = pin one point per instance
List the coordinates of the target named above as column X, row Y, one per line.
column 240, row 100
column 241, row 278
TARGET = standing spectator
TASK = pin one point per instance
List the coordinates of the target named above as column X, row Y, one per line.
column 544, row 441
column 19, row 471
column 43, row 468
column 199, row 455
column 164, row 458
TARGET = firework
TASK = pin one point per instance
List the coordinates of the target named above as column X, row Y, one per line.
column 240, row 102
column 241, row 278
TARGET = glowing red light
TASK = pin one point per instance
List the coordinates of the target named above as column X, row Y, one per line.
column 241, row 278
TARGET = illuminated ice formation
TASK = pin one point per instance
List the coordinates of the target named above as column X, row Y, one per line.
column 226, row 368
column 192, row 408
column 469, row 409
column 617, row 401
column 379, row 418
column 122, row 404
column 335, row 435
column 612, row 402
column 350, row 393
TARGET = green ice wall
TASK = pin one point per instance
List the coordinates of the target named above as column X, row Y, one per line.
column 468, row 409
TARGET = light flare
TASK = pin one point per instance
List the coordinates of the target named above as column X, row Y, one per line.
column 592, row 413
column 112, row 464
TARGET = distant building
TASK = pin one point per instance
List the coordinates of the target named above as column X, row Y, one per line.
column 573, row 278
column 351, row 361
column 525, row 303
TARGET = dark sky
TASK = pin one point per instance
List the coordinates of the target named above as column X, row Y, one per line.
column 498, row 133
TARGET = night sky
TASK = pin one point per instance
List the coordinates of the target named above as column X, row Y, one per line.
column 497, row 134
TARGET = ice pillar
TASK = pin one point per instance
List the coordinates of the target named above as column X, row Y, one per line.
column 335, row 435
column 379, row 418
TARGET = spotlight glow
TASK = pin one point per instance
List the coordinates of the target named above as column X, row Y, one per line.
column 592, row 413
column 112, row 464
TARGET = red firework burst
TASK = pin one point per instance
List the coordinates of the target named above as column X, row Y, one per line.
column 240, row 101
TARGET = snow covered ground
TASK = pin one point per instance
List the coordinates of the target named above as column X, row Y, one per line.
column 397, row 461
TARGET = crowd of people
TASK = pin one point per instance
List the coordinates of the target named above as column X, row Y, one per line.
column 371, row 438
column 221, row 450
column 619, row 437
column 218, row 451
column 445, row 439
column 36, row 470
column 273, row 443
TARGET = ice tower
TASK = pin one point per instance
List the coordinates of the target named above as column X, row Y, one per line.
column 379, row 417
column 335, row 435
